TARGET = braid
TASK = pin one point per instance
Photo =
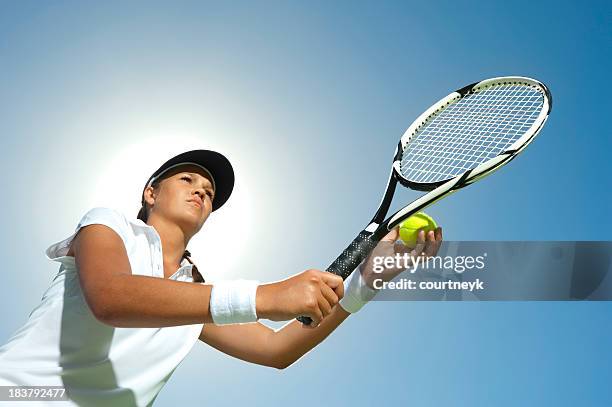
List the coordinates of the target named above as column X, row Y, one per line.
column 197, row 277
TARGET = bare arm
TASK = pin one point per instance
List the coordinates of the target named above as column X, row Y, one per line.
column 248, row 342
column 256, row 343
column 294, row 340
column 119, row 298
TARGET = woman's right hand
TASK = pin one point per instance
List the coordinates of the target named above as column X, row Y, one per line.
column 312, row 293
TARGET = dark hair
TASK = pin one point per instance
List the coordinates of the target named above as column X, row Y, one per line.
column 143, row 215
column 197, row 276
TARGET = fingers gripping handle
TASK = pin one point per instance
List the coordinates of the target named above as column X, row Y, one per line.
column 350, row 258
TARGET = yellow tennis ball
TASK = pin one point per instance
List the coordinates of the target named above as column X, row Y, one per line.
column 409, row 229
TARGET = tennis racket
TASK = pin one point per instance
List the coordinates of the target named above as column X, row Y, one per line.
column 461, row 139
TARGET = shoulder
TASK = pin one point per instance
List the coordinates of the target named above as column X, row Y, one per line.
column 105, row 216
column 102, row 213
column 125, row 227
column 108, row 217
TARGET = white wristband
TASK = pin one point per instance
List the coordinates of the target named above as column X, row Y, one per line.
column 233, row 302
column 356, row 292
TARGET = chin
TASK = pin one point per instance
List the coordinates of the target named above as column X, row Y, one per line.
column 193, row 220
column 189, row 221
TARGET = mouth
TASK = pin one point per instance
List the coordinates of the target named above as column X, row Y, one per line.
column 195, row 202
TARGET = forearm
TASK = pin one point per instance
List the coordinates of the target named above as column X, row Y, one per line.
column 126, row 300
column 249, row 342
column 148, row 302
column 293, row 340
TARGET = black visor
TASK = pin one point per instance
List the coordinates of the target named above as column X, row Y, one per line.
column 214, row 163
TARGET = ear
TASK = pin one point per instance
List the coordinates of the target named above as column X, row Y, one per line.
column 149, row 196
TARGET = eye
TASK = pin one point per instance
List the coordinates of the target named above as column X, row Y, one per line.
column 186, row 178
column 210, row 194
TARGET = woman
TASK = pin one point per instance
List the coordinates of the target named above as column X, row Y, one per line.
column 128, row 304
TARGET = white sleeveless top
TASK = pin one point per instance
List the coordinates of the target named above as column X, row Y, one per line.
column 63, row 344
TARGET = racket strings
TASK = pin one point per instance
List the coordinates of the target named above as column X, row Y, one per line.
column 483, row 128
column 471, row 131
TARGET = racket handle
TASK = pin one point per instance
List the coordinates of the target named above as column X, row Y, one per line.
column 353, row 255
column 348, row 261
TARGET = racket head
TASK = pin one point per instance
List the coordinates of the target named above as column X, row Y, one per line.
column 472, row 132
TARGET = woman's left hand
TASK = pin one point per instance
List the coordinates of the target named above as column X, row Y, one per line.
column 374, row 267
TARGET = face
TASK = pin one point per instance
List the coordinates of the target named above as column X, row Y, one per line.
column 184, row 196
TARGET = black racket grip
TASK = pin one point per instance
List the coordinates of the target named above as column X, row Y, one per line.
column 348, row 261
column 353, row 255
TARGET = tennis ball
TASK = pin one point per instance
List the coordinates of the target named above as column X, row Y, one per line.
column 409, row 229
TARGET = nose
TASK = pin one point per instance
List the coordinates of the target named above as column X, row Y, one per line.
column 200, row 192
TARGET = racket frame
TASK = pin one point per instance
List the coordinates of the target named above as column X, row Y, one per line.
column 440, row 189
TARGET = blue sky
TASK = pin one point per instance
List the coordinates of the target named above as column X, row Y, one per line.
column 308, row 100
